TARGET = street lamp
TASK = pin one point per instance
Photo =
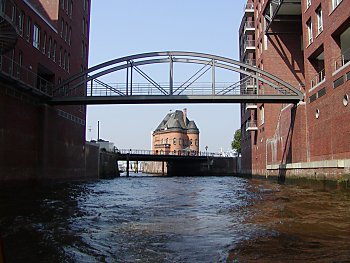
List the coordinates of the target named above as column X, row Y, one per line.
column 206, row 150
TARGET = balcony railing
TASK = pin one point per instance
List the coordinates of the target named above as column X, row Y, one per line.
column 251, row 106
column 249, row 6
column 251, row 62
column 24, row 76
column 249, row 27
column 249, row 44
column 342, row 60
column 249, row 24
column 251, row 126
column 318, row 78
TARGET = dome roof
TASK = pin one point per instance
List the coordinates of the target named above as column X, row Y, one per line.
column 192, row 126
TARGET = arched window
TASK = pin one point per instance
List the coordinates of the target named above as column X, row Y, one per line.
column 191, row 141
column 167, row 141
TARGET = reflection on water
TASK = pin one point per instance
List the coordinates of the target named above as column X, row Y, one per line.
column 187, row 219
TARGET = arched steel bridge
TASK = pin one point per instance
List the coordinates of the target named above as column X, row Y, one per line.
column 253, row 85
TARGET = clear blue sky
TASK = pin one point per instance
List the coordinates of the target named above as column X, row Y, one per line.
column 120, row 28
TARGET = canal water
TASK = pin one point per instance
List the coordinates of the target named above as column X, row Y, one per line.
column 175, row 219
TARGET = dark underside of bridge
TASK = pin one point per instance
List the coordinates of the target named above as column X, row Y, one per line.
column 188, row 165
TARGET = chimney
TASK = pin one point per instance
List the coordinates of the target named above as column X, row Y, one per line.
column 185, row 115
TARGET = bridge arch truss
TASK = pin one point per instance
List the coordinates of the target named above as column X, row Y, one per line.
column 252, row 86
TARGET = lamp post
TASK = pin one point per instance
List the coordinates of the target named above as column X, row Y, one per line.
column 98, row 131
column 206, row 150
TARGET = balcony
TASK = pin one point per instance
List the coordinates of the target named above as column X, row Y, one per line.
column 251, row 126
column 343, row 60
column 25, row 78
column 249, row 27
column 277, row 11
column 249, row 46
column 251, row 106
column 318, row 79
column 250, row 62
column 249, row 87
column 249, row 9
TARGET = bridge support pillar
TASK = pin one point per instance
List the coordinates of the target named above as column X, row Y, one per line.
column 127, row 164
column 163, row 168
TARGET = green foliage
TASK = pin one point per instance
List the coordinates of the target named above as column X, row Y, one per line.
column 236, row 143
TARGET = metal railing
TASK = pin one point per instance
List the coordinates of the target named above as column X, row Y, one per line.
column 249, row 24
column 24, row 76
column 318, row 78
column 142, row 89
column 249, row 44
column 249, row 6
column 342, row 60
column 172, row 153
column 251, row 125
column 251, row 62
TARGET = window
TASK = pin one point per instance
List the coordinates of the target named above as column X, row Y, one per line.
column 66, row 33
column 71, row 9
column 36, row 36
column 174, row 141
column 335, row 3
column 62, row 27
column 70, row 36
column 13, row 15
column 44, row 43
column 29, row 26
column 180, row 141
column 62, row 4
column 309, row 32
column 20, row 58
column 68, row 63
column 308, row 3
column 49, row 48
column 67, row 6
column 262, row 114
column 54, row 51
column 64, row 60
column 21, row 23
column 319, row 20
column 191, row 141
column 60, row 57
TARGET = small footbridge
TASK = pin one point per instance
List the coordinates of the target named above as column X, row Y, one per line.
column 183, row 162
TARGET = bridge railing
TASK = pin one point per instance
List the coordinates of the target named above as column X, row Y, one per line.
column 146, row 89
column 159, row 153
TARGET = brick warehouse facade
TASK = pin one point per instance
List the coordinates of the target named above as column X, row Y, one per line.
column 307, row 44
column 37, row 140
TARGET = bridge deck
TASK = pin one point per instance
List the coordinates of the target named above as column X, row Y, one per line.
column 94, row 100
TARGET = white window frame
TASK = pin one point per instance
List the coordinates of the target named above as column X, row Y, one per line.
column 319, row 20
column 308, row 3
column 36, row 36
column 335, row 3
column 310, row 37
column 262, row 114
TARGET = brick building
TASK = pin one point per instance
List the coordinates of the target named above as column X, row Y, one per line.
column 41, row 44
column 307, row 44
column 176, row 134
